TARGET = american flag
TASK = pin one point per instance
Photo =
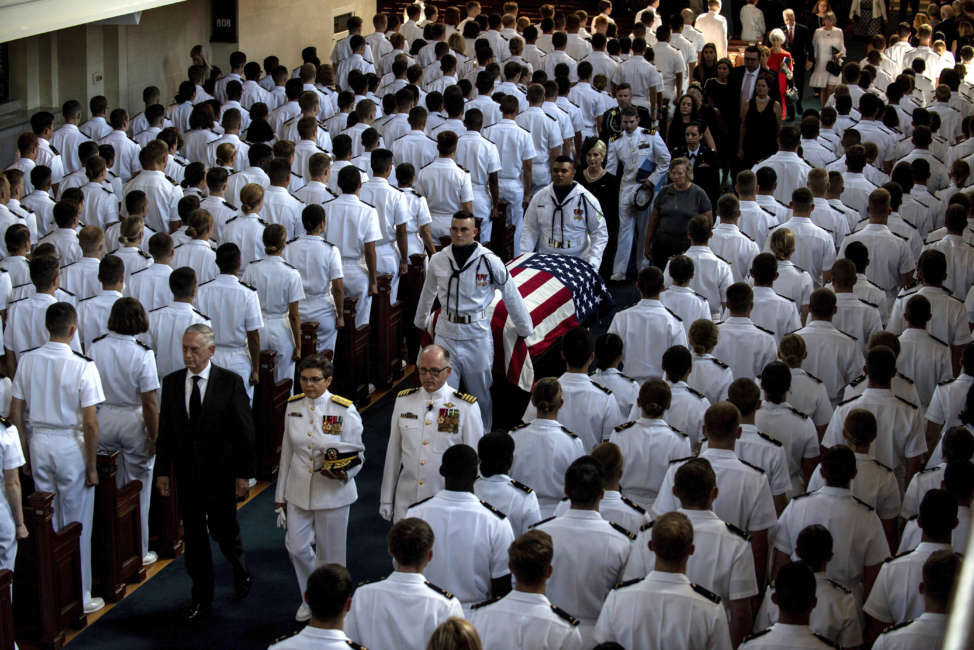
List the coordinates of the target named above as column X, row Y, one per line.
column 560, row 292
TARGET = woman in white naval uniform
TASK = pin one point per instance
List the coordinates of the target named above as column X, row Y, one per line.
column 245, row 229
column 319, row 428
column 279, row 288
column 198, row 253
column 128, row 420
column 130, row 237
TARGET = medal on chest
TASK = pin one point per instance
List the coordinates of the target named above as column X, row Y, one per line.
column 448, row 420
column 331, row 425
column 579, row 213
column 482, row 279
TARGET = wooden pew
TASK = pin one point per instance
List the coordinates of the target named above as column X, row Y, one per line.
column 309, row 341
column 6, row 610
column 387, row 341
column 501, row 235
column 165, row 524
column 409, row 289
column 270, row 400
column 47, row 584
column 116, row 536
column 352, row 358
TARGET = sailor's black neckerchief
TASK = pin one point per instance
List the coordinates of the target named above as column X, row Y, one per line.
column 465, row 252
column 560, row 202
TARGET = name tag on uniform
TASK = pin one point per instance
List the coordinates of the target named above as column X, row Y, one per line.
column 295, row 415
column 645, row 145
column 409, row 416
column 331, row 425
column 448, row 420
column 482, row 279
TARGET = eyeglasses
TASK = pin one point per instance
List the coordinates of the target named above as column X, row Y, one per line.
column 317, row 379
column 430, row 371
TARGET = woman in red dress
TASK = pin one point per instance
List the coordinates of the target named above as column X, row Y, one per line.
column 780, row 62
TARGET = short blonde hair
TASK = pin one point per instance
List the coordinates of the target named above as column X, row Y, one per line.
column 685, row 163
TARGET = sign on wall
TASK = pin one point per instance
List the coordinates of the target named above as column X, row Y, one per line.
column 224, row 21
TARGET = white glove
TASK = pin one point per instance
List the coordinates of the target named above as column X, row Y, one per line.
column 385, row 511
column 281, row 518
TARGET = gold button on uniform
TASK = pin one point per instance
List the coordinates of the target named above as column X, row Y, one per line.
column 420, row 482
column 422, row 462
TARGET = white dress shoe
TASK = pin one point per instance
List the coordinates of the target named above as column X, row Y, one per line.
column 93, row 605
column 150, row 558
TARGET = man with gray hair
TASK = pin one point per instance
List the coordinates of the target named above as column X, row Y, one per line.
column 426, row 421
column 203, row 403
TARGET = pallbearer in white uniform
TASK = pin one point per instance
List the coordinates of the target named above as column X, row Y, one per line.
column 320, row 455
column 279, row 288
column 128, row 420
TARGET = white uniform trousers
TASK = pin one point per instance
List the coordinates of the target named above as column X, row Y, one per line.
column 326, row 530
column 512, row 191
column 8, row 538
column 356, row 283
column 236, row 360
column 440, row 226
column 319, row 309
column 472, row 361
column 276, row 334
column 629, row 219
column 57, row 463
column 122, row 428
column 481, row 209
column 387, row 263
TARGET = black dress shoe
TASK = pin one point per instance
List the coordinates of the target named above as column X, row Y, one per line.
column 196, row 613
column 241, row 587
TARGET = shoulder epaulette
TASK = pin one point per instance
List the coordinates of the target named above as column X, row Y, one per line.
column 408, row 391
column 722, row 259
column 907, row 402
column 602, row 388
column 706, row 593
column 251, row 287
column 858, row 380
column 766, row 331
column 695, row 392
column 341, row 401
column 626, row 425
column 98, row 338
column 846, row 333
column 851, row 399
column 568, row 431
column 863, row 503
column 797, row 412
column 673, row 313
column 201, row 314
column 494, row 510
column 838, row 586
column 171, row 180
column 519, row 426
column 79, row 354
column 106, row 190
column 682, row 460
column 140, row 270
column 231, row 219
column 486, row 602
column 562, row 614
column 756, row 635
column 230, row 205
column 676, row 431
column 752, row 466
column 470, row 399
column 940, row 341
column 893, row 628
column 627, row 583
column 826, row 640
column 886, row 467
column 740, row 532
column 772, row 440
column 632, row 504
column 538, row 523
column 720, row 364
column 646, row 526
column 785, row 297
column 439, row 590
column 521, row 486
column 294, row 398
column 66, row 291
column 420, row 502
column 898, row 556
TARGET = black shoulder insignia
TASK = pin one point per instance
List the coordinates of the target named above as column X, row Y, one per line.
column 740, row 532
column 229, row 205
column 752, row 466
column 677, row 431
column 940, row 341
column 79, row 354
column 682, row 460
column 198, row 313
column 858, row 380
column 568, row 431
column 486, row 602
column 143, row 345
column 67, row 292
column 646, row 526
column 803, row 416
column 851, row 399
column 538, row 523
column 772, row 440
column 494, row 510
column 695, row 392
column 562, row 614
column 145, row 269
column 673, row 314
column 231, row 219
column 826, row 640
column 756, row 635
column 726, row 261
column 521, row 486
column 171, row 180
column 143, row 254
column 863, row 503
column 947, row 383
column 420, row 502
column 4, row 421
column 355, row 646
column 907, row 402
column 602, row 388
column 871, row 304
column 898, row 555
column 706, row 593
column 785, row 297
column 846, row 333
column 408, row 391
column 627, row 583
column 632, row 504
column 893, row 628
column 766, row 331
column 886, row 467
column 516, row 427
column 838, row 586
column 439, row 590
column 627, row 425
column 720, row 364
column 98, row 338
column 106, row 190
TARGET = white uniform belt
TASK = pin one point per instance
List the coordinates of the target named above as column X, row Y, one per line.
column 554, row 243
column 54, row 430
column 351, row 260
column 120, row 407
column 232, row 347
column 270, row 315
column 469, row 317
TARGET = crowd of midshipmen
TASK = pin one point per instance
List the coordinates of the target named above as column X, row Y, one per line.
column 790, row 445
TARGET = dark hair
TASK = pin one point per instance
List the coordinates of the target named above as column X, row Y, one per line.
column 459, row 462
column 676, row 362
column 608, row 348
column 694, row 482
column 496, row 452
column 228, row 258
column 329, row 588
column 182, row 282
column 43, row 271
column 795, row 588
column 583, row 481
column 316, row 361
column 59, row 318
column 409, row 541
column 577, row 347
column 838, row 466
column 814, row 546
column 128, row 317
column 938, row 515
column 650, row 281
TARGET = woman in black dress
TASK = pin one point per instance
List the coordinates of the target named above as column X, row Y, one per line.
column 605, row 187
column 706, row 67
column 719, row 94
column 760, row 123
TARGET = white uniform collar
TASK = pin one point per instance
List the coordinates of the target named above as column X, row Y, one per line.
column 443, row 392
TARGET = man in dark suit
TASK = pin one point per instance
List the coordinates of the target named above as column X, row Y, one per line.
column 206, row 437
column 798, row 41
column 706, row 167
column 743, row 80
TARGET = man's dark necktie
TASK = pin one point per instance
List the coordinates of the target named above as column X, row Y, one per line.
column 195, row 400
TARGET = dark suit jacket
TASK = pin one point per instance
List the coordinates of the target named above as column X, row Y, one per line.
column 801, row 48
column 706, row 171
column 220, row 446
column 737, row 78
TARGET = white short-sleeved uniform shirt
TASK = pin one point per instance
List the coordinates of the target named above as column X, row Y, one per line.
column 895, row 597
column 728, row 242
column 745, row 347
column 150, row 286
column 616, row 508
column 857, row 533
column 744, row 498
column 349, row 225
column 25, row 328
column 795, row 430
column 624, row 389
column 163, row 196
column 756, row 221
column 247, row 232
column 663, row 610
column 814, row 247
column 514, row 146
column 11, row 457
column 165, row 336
column 513, row 498
column 928, row 631
column 319, row 264
column 93, row 316
column 401, row 611
column 687, row 407
column 521, row 621
column 774, row 312
column 648, row 446
column 65, row 240
column 856, row 317
column 647, row 329
column 282, row 208
column 833, row 355
column 711, row 276
column 929, row 478
column 912, row 535
column 686, row 304
column 590, row 556
column 835, row 617
column 543, row 450
column 198, row 255
column 781, row 635
column 949, row 320
column 233, row 307
column 960, row 263
column 588, row 409
column 926, row 359
column 278, row 284
column 445, row 185
column 127, row 368
column 874, row 484
column 767, row 453
column 470, row 550
column 948, row 401
column 793, row 283
column 57, row 404
column 809, row 396
column 889, row 256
